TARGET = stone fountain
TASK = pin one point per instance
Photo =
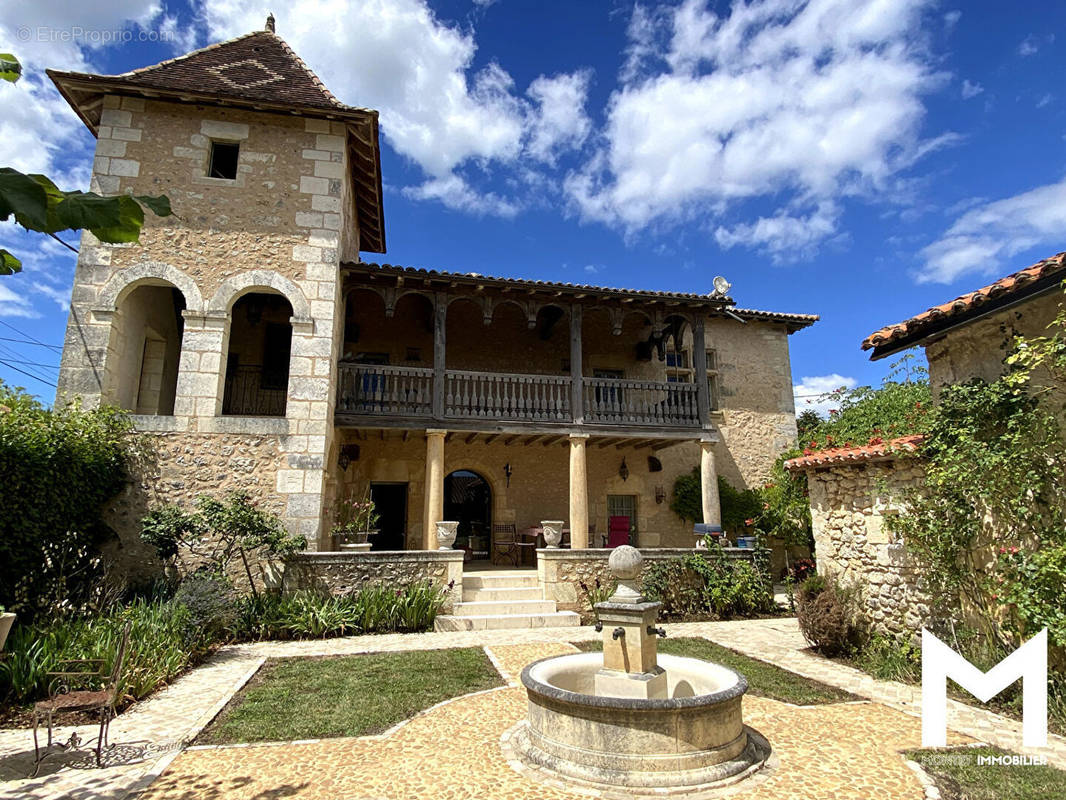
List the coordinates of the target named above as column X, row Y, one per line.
column 630, row 717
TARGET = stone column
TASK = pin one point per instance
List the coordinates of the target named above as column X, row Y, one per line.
column 434, row 490
column 712, row 508
column 579, row 499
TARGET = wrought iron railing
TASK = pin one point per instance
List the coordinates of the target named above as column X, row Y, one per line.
column 253, row 392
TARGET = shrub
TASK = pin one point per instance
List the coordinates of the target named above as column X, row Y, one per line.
column 210, row 602
column 220, row 532
column 61, row 466
column 701, row 585
column 596, row 592
column 828, row 616
column 738, row 505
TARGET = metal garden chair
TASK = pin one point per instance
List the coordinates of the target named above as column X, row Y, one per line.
column 63, row 696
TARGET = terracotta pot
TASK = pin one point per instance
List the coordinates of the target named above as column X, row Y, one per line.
column 6, row 621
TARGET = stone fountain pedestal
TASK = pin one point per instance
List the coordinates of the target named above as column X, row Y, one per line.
column 630, row 718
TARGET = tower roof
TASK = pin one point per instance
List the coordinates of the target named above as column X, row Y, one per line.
column 258, row 71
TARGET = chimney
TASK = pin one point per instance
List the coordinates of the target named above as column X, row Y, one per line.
column 270, row 23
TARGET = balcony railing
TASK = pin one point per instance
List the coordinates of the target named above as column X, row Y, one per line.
column 246, row 395
column 391, row 391
column 502, row 395
column 374, row 390
column 640, row 402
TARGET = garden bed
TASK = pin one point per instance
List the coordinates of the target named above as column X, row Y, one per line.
column 318, row 698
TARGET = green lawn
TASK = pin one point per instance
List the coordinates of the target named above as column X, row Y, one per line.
column 764, row 680
column 970, row 781
column 315, row 698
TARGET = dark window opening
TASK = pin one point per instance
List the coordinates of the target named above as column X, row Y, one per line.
column 223, row 160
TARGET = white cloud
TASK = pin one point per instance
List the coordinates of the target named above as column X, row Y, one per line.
column 809, row 393
column 560, row 120
column 970, row 89
column 783, row 236
column 60, row 296
column 436, row 109
column 13, row 304
column 455, row 193
column 1032, row 43
column 1045, row 100
column 591, row 269
column 802, row 102
column 951, row 19
column 985, row 237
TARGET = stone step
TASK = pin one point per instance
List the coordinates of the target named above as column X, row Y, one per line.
column 560, row 619
column 485, row 595
column 500, row 580
column 478, row 608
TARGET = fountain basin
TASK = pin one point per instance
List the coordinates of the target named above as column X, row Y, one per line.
column 694, row 736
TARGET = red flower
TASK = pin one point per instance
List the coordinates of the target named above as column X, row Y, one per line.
column 749, row 522
column 834, row 410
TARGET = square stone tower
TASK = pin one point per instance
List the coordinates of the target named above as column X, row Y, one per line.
column 219, row 331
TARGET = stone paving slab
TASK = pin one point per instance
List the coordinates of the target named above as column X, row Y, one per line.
column 455, row 752
column 153, row 732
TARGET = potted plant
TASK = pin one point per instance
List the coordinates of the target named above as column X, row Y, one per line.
column 7, row 619
column 356, row 518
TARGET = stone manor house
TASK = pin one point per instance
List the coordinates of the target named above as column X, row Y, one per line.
column 249, row 338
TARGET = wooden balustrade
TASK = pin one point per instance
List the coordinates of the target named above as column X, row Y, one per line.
column 375, row 389
column 368, row 389
column 505, row 396
column 617, row 400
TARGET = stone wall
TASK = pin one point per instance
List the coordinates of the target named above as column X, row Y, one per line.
column 275, row 228
column 344, row 573
column 561, row 572
column 849, row 505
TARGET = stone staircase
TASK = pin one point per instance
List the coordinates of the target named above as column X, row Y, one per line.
column 504, row 599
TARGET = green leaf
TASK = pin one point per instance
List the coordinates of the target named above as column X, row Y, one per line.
column 9, row 265
column 158, row 205
column 128, row 226
column 10, row 68
column 23, row 197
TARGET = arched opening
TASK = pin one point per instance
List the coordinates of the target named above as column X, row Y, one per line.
column 145, row 349
column 257, row 363
column 468, row 499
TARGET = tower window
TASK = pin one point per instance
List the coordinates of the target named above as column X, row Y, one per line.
column 223, row 160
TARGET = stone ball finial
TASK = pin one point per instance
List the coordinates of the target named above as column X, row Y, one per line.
column 625, row 563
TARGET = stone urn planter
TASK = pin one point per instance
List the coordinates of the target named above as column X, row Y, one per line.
column 358, row 542
column 446, row 533
column 7, row 619
column 553, row 533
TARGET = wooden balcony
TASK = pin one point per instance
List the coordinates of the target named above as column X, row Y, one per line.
column 412, row 393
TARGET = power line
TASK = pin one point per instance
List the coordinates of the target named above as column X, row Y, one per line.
column 34, row 364
column 27, row 374
column 23, row 333
column 28, row 341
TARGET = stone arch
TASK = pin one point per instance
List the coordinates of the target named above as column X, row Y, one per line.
column 258, row 280
column 150, row 273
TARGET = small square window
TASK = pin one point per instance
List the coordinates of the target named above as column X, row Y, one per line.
column 223, row 160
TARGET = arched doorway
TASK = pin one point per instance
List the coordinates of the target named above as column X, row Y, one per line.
column 257, row 364
column 468, row 499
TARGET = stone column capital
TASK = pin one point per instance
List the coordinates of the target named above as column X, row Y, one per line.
column 578, row 437
column 436, row 432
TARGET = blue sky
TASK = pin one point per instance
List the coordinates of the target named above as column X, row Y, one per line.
column 858, row 159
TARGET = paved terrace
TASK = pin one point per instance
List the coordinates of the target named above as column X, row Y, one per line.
column 149, row 760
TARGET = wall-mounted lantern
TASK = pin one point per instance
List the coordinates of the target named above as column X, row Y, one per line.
column 623, row 471
column 507, row 473
column 348, row 454
column 660, row 494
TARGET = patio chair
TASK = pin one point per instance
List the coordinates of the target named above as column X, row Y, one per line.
column 617, row 531
column 63, row 696
column 505, row 543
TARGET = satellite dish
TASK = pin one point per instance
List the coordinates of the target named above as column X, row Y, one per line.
column 721, row 285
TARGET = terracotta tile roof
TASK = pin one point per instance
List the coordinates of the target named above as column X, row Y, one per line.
column 255, row 66
column 1014, row 286
column 794, row 321
column 875, row 450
